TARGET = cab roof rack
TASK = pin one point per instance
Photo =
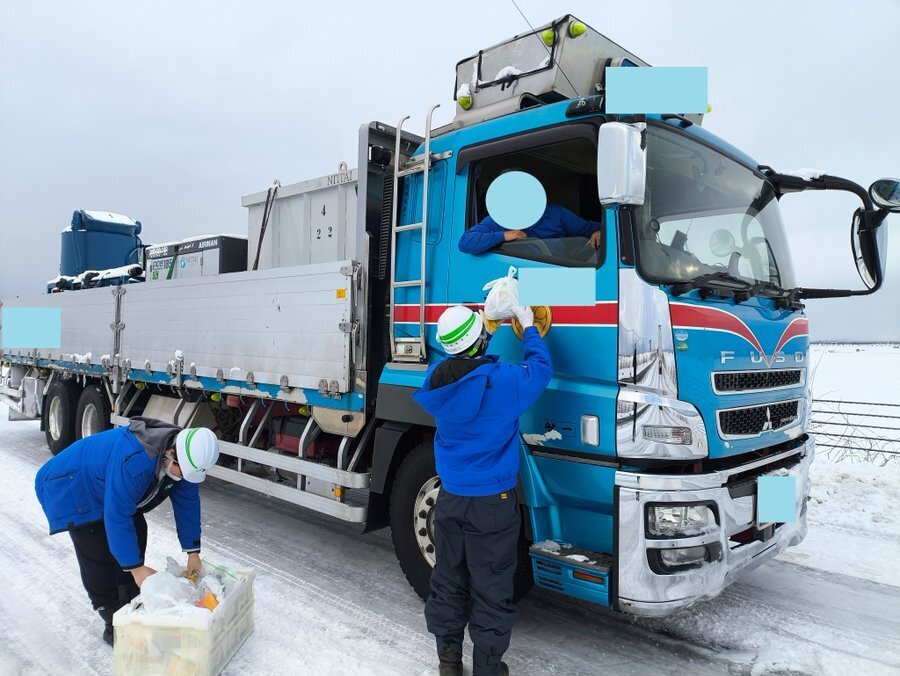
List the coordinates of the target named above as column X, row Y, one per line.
column 563, row 59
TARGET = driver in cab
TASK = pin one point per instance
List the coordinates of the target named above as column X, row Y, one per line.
column 555, row 222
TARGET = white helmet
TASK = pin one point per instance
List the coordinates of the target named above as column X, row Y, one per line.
column 197, row 449
column 458, row 328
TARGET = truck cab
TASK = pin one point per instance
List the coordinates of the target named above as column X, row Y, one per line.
column 679, row 385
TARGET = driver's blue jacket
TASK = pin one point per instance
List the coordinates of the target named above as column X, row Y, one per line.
column 556, row 222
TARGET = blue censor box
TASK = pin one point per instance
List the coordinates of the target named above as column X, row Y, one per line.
column 776, row 499
column 656, row 90
column 31, row 327
column 557, row 286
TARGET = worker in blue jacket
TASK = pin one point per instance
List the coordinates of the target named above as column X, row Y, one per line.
column 99, row 488
column 476, row 401
column 556, row 221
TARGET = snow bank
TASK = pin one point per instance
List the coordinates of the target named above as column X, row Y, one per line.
column 854, row 522
column 858, row 497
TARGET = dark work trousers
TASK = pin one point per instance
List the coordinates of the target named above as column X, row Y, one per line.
column 107, row 585
column 476, row 546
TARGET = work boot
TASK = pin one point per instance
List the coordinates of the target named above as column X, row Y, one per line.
column 108, row 631
column 451, row 663
column 484, row 664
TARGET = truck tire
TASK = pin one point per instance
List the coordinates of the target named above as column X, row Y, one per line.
column 92, row 412
column 59, row 415
column 415, row 486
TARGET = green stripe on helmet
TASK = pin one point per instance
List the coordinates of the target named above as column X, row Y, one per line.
column 187, row 446
column 453, row 336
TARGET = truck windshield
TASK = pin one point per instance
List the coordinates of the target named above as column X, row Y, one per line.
column 705, row 213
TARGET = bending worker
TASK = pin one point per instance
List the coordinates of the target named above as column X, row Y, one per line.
column 476, row 401
column 555, row 222
column 99, row 488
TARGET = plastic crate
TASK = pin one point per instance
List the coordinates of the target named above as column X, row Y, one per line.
column 152, row 643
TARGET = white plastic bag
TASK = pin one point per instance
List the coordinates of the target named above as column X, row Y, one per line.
column 503, row 297
column 163, row 590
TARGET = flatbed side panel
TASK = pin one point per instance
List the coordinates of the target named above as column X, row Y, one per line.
column 271, row 323
column 86, row 318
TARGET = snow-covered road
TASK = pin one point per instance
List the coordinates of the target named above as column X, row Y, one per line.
column 330, row 601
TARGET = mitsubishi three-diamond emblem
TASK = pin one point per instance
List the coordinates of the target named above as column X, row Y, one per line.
column 768, row 424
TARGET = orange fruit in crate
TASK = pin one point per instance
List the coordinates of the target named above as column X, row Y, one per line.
column 543, row 320
column 209, row 601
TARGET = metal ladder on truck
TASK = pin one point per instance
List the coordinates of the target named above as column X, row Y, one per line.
column 410, row 349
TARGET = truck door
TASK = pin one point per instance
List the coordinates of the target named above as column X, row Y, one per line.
column 582, row 339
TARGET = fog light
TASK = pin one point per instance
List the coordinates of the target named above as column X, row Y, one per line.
column 684, row 556
column 671, row 521
column 665, row 434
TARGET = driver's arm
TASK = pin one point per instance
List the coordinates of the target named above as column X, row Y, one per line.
column 574, row 225
column 482, row 237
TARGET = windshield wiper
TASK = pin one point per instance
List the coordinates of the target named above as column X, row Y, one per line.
column 770, row 287
column 712, row 281
column 788, row 299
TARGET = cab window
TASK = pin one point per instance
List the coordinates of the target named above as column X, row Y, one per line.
column 571, row 232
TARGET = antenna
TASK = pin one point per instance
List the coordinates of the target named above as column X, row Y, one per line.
column 549, row 53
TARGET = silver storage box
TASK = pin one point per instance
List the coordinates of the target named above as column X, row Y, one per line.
column 310, row 222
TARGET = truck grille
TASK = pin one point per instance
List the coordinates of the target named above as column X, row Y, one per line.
column 754, row 420
column 726, row 382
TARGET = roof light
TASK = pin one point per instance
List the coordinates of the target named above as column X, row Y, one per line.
column 465, row 102
column 577, row 28
column 549, row 37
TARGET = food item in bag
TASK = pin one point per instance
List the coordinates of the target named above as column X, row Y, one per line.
column 503, row 297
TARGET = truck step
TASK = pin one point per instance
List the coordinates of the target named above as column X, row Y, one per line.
column 565, row 569
column 572, row 556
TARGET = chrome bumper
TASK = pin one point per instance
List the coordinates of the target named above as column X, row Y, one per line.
column 641, row 591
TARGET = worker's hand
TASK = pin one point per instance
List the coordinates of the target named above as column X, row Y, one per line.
column 194, row 564
column 510, row 235
column 141, row 574
column 597, row 239
column 525, row 315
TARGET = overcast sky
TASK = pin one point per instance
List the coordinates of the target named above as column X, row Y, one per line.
column 169, row 112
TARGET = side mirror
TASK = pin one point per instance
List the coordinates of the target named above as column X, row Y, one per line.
column 885, row 193
column 869, row 249
column 622, row 163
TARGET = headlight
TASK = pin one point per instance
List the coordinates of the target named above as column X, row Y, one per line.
column 673, row 521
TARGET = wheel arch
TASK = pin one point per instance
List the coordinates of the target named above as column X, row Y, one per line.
column 393, row 442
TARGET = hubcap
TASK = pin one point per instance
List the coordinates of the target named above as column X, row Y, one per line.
column 423, row 518
column 54, row 418
column 90, row 421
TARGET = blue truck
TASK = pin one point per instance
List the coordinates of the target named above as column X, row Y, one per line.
column 679, row 388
